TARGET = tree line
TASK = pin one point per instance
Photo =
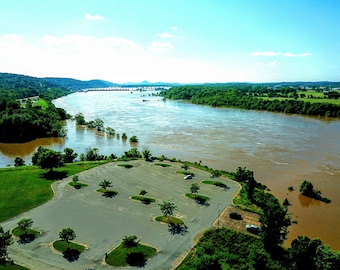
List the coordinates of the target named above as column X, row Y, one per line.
column 247, row 97
column 16, row 86
column 20, row 123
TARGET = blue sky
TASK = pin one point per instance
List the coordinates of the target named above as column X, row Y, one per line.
column 187, row 41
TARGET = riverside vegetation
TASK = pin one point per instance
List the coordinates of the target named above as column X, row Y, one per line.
column 257, row 97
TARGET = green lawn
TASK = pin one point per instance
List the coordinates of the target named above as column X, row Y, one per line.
column 61, row 245
column 169, row 219
column 42, row 103
column 311, row 100
column 197, row 197
column 9, row 266
column 20, row 232
column 24, row 188
column 143, row 199
column 118, row 257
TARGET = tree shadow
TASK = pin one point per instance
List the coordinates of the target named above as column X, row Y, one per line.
column 54, row 175
column 175, row 228
column 222, row 185
column 110, row 193
column 71, row 254
column 202, row 201
column 136, row 259
column 26, row 238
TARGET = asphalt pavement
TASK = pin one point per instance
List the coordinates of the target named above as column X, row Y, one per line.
column 101, row 223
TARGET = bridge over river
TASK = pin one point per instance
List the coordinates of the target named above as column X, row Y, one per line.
column 130, row 88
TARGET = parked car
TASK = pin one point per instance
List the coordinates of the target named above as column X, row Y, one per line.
column 235, row 215
column 253, row 228
column 189, row 176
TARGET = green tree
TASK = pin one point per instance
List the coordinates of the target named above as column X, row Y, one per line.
column 124, row 136
column 194, row 188
column 147, row 154
column 134, row 139
column 80, row 119
column 69, row 155
column 130, row 241
column 50, row 159
column 307, row 189
column 36, row 155
column 75, row 179
column 18, row 161
column 5, row 242
column 303, row 251
column 67, row 234
column 25, row 223
column 246, row 176
column 105, row 184
column 185, row 166
column 99, row 124
column 110, row 131
column 326, row 259
column 167, row 207
column 91, row 154
column 274, row 222
column 132, row 153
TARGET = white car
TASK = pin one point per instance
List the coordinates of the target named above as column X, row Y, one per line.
column 189, row 176
column 253, row 228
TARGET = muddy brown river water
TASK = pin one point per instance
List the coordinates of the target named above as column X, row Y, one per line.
column 282, row 150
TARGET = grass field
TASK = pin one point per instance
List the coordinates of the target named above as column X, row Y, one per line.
column 24, row 188
column 119, row 256
column 317, row 97
column 42, row 103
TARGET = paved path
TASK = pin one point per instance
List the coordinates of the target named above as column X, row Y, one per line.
column 101, row 223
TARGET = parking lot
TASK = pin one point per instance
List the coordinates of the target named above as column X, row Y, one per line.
column 101, row 223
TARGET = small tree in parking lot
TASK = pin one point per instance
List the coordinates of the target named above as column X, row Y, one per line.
column 167, row 207
column 105, row 184
column 194, row 188
column 67, row 235
column 130, row 241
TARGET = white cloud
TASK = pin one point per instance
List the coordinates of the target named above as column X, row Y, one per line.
column 165, row 35
column 268, row 53
column 174, row 28
column 161, row 46
column 288, row 54
column 91, row 17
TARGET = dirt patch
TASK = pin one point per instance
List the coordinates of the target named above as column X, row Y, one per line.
column 237, row 225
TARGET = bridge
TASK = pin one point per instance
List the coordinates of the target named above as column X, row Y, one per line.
column 120, row 88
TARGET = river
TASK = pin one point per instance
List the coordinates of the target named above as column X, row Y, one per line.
column 282, row 150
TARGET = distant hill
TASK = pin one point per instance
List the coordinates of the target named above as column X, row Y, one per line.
column 20, row 86
column 146, row 83
column 73, row 84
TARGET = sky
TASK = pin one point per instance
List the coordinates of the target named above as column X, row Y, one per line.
column 184, row 41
